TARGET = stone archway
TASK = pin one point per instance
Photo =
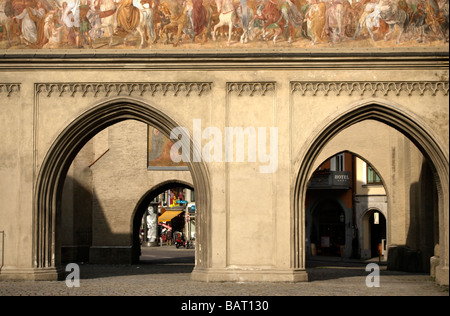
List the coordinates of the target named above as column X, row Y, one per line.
column 50, row 180
column 406, row 123
column 142, row 205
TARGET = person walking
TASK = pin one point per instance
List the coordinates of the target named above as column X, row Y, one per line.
column 169, row 237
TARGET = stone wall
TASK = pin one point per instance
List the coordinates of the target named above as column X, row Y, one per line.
column 252, row 222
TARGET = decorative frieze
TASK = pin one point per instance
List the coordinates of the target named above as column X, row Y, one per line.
column 250, row 88
column 9, row 88
column 110, row 89
column 373, row 88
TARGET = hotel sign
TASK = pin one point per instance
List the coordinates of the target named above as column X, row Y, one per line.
column 330, row 180
column 341, row 179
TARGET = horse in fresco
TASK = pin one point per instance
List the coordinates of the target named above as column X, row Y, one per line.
column 238, row 18
column 227, row 16
column 445, row 25
column 177, row 19
column 437, row 19
column 370, row 20
column 106, row 10
column 270, row 15
column 393, row 15
column 6, row 14
column 417, row 22
column 243, row 12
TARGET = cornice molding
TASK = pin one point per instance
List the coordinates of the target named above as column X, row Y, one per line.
column 338, row 88
column 174, row 59
column 114, row 89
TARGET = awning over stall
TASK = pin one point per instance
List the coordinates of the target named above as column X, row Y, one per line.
column 168, row 215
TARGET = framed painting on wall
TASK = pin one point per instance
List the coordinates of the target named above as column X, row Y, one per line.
column 158, row 153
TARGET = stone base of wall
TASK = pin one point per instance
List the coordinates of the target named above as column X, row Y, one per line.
column 442, row 276
column 248, row 275
column 32, row 274
column 434, row 263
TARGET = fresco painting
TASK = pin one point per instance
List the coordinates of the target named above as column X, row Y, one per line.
column 219, row 24
column 159, row 152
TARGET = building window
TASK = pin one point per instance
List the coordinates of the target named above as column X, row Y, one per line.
column 337, row 163
column 372, row 176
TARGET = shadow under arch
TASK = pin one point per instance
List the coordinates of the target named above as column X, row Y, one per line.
column 142, row 205
column 50, row 180
column 314, row 216
column 406, row 123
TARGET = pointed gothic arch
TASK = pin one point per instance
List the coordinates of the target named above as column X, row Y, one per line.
column 406, row 123
column 50, row 180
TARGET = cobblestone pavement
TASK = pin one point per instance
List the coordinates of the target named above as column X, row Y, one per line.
column 170, row 276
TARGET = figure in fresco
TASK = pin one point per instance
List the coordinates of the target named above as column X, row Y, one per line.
column 315, row 18
column 43, row 27
column 127, row 16
column 52, row 30
column 70, row 20
column 369, row 18
column 295, row 20
column 85, row 25
column 6, row 22
column 29, row 17
column 129, row 20
column 103, row 20
column 349, row 19
column 335, row 20
column 200, row 19
column 94, row 19
column 149, row 19
column 157, row 145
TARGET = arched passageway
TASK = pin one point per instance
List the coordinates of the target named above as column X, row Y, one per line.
column 375, row 233
column 339, row 192
column 144, row 205
column 406, row 123
column 50, row 180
